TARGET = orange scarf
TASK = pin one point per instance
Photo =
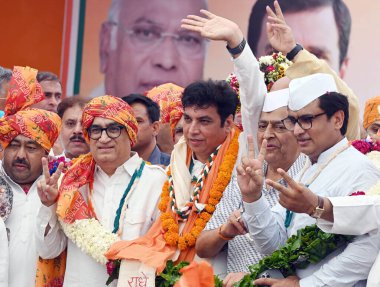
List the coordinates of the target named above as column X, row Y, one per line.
column 152, row 249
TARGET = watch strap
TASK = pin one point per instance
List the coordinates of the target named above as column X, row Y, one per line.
column 238, row 49
column 291, row 55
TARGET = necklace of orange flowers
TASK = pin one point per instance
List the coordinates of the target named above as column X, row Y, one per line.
column 168, row 218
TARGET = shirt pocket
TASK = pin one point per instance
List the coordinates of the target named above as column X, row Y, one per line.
column 136, row 224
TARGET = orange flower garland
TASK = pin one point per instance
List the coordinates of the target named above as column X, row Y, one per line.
column 170, row 225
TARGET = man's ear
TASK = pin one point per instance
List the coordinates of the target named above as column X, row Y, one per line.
column 105, row 44
column 156, row 128
column 228, row 124
column 338, row 119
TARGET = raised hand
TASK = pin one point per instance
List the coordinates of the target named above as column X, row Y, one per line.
column 214, row 27
column 250, row 173
column 296, row 197
column 279, row 34
column 47, row 186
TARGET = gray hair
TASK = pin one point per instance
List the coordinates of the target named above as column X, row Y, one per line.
column 5, row 76
column 114, row 11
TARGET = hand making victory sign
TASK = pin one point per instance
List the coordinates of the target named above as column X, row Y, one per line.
column 250, row 173
column 47, row 187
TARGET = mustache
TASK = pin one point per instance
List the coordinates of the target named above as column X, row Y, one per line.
column 77, row 137
column 21, row 161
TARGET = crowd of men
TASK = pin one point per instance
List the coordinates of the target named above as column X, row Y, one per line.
column 164, row 172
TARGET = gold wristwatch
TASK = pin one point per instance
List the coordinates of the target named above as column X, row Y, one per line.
column 318, row 210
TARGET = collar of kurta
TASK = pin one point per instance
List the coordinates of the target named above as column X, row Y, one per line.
column 326, row 155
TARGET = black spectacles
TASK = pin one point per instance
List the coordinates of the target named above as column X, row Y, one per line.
column 305, row 121
column 112, row 131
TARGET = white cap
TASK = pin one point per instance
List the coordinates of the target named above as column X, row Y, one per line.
column 303, row 91
column 275, row 100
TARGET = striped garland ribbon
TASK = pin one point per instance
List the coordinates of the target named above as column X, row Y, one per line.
column 184, row 212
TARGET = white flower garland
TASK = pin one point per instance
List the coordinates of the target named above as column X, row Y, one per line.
column 91, row 237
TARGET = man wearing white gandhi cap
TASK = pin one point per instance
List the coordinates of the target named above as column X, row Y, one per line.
column 282, row 152
column 318, row 117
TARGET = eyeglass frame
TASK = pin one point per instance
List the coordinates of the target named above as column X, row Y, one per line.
column 310, row 118
column 175, row 36
column 106, row 130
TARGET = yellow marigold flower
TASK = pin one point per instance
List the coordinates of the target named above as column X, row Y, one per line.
column 205, row 216
column 173, row 228
column 182, row 244
column 213, row 201
column 189, row 239
column 209, row 208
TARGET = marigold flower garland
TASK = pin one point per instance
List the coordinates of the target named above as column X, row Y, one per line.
column 168, row 221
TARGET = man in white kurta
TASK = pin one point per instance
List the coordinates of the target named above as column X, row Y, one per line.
column 4, row 255
column 27, row 137
column 113, row 170
column 336, row 170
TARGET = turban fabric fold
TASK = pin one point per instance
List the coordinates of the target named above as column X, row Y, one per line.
column 371, row 111
column 168, row 97
column 24, row 90
column 39, row 125
column 112, row 108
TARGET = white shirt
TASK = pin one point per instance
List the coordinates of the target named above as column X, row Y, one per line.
column 252, row 90
column 4, row 258
column 356, row 215
column 349, row 172
column 21, row 224
column 142, row 211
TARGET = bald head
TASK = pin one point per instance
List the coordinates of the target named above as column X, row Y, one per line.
column 280, row 84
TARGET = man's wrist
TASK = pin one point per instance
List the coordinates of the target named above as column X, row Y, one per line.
column 249, row 198
column 294, row 52
column 235, row 38
column 236, row 49
column 222, row 235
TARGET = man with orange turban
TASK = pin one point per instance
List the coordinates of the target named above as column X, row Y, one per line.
column 371, row 118
column 168, row 97
column 26, row 136
column 107, row 195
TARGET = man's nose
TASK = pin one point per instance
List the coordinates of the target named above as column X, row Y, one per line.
column 166, row 56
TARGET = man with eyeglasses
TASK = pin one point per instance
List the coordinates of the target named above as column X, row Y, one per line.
column 143, row 46
column 110, row 185
column 318, row 117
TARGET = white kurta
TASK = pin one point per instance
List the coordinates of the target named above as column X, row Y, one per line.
column 252, row 92
column 21, row 224
column 4, row 258
column 350, row 171
column 142, row 211
column 356, row 215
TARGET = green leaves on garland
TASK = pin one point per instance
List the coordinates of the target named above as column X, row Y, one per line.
column 171, row 274
column 309, row 245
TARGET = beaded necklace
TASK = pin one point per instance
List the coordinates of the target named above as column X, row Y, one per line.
column 289, row 214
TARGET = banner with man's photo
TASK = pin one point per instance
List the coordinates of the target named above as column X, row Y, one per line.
column 120, row 47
